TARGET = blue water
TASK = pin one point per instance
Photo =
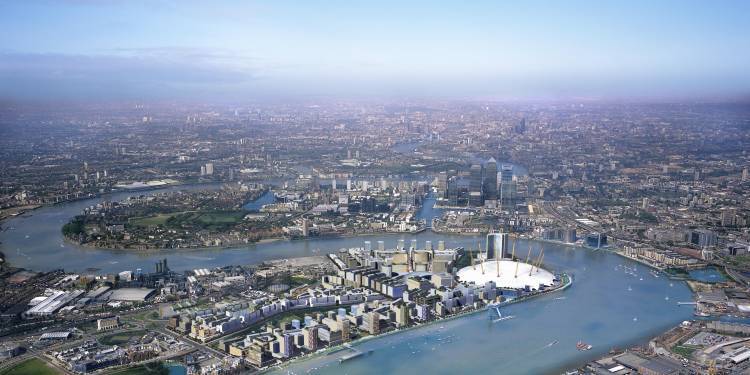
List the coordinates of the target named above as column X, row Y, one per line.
column 707, row 275
column 428, row 210
column 267, row 198
column 176, row 369
column 598, row 308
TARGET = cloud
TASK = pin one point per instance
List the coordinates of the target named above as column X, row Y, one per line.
column 124, row 74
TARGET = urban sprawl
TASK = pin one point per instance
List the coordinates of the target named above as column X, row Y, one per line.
column 663, row 185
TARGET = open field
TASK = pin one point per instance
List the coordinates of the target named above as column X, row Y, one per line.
column 684, row 350
column 33, row 366
column 121, row 338
column 206, row 220
column 152, row 221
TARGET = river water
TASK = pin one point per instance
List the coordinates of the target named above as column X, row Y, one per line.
column 605, row 307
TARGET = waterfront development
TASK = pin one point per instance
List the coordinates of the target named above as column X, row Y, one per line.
column 374, row 188
column 606, row 307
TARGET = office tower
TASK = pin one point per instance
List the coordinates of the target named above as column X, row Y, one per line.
column 745, row 174
column 475, row 185
column 507, row 187
column 520, row 128
column 209, row 169
column 703, row 238
column 452, row 191
column 442, row 184
column 497, row 245
column 490, row 180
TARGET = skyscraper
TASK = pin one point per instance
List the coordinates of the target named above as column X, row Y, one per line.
column 489, row 185
column 507, row 187
column 520, row 128
column 442, row 184
column 475, row 185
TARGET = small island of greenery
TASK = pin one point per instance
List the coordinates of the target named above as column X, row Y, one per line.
column 183, row 219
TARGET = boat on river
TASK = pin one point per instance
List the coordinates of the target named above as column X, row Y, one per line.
column 582, row 346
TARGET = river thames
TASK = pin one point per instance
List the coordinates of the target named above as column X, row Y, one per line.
column 605, row 307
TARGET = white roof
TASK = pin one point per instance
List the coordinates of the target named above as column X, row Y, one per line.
column 508, row 277
column 741, row 357
column 130, row 294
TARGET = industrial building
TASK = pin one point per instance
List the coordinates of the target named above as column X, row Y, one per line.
column 131, row 294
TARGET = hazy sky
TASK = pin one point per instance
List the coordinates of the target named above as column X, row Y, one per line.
column 111, row 49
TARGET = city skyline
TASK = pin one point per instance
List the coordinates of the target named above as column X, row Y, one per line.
column 81, row 50
column 537, row 187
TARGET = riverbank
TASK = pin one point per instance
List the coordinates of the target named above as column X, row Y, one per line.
column 463, row 314
column 235, row 246
column 17, row 211
column 585, row 303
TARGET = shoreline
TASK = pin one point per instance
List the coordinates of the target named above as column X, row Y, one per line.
column 361, row 340
column 237, row 246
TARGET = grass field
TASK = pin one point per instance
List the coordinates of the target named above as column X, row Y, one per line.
column 152, row 221
column 685, row 351
column 33, row 366
column 206, row 220
column 218, row 218
column 301, row 280
column 121, row 338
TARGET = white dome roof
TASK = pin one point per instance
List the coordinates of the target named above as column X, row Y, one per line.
column 508, row 277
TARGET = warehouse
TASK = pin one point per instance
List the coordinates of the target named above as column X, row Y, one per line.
column 131, row 294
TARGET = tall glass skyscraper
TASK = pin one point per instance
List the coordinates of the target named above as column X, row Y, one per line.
column 490, row 179
column 475, row 185
column 507, row 187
